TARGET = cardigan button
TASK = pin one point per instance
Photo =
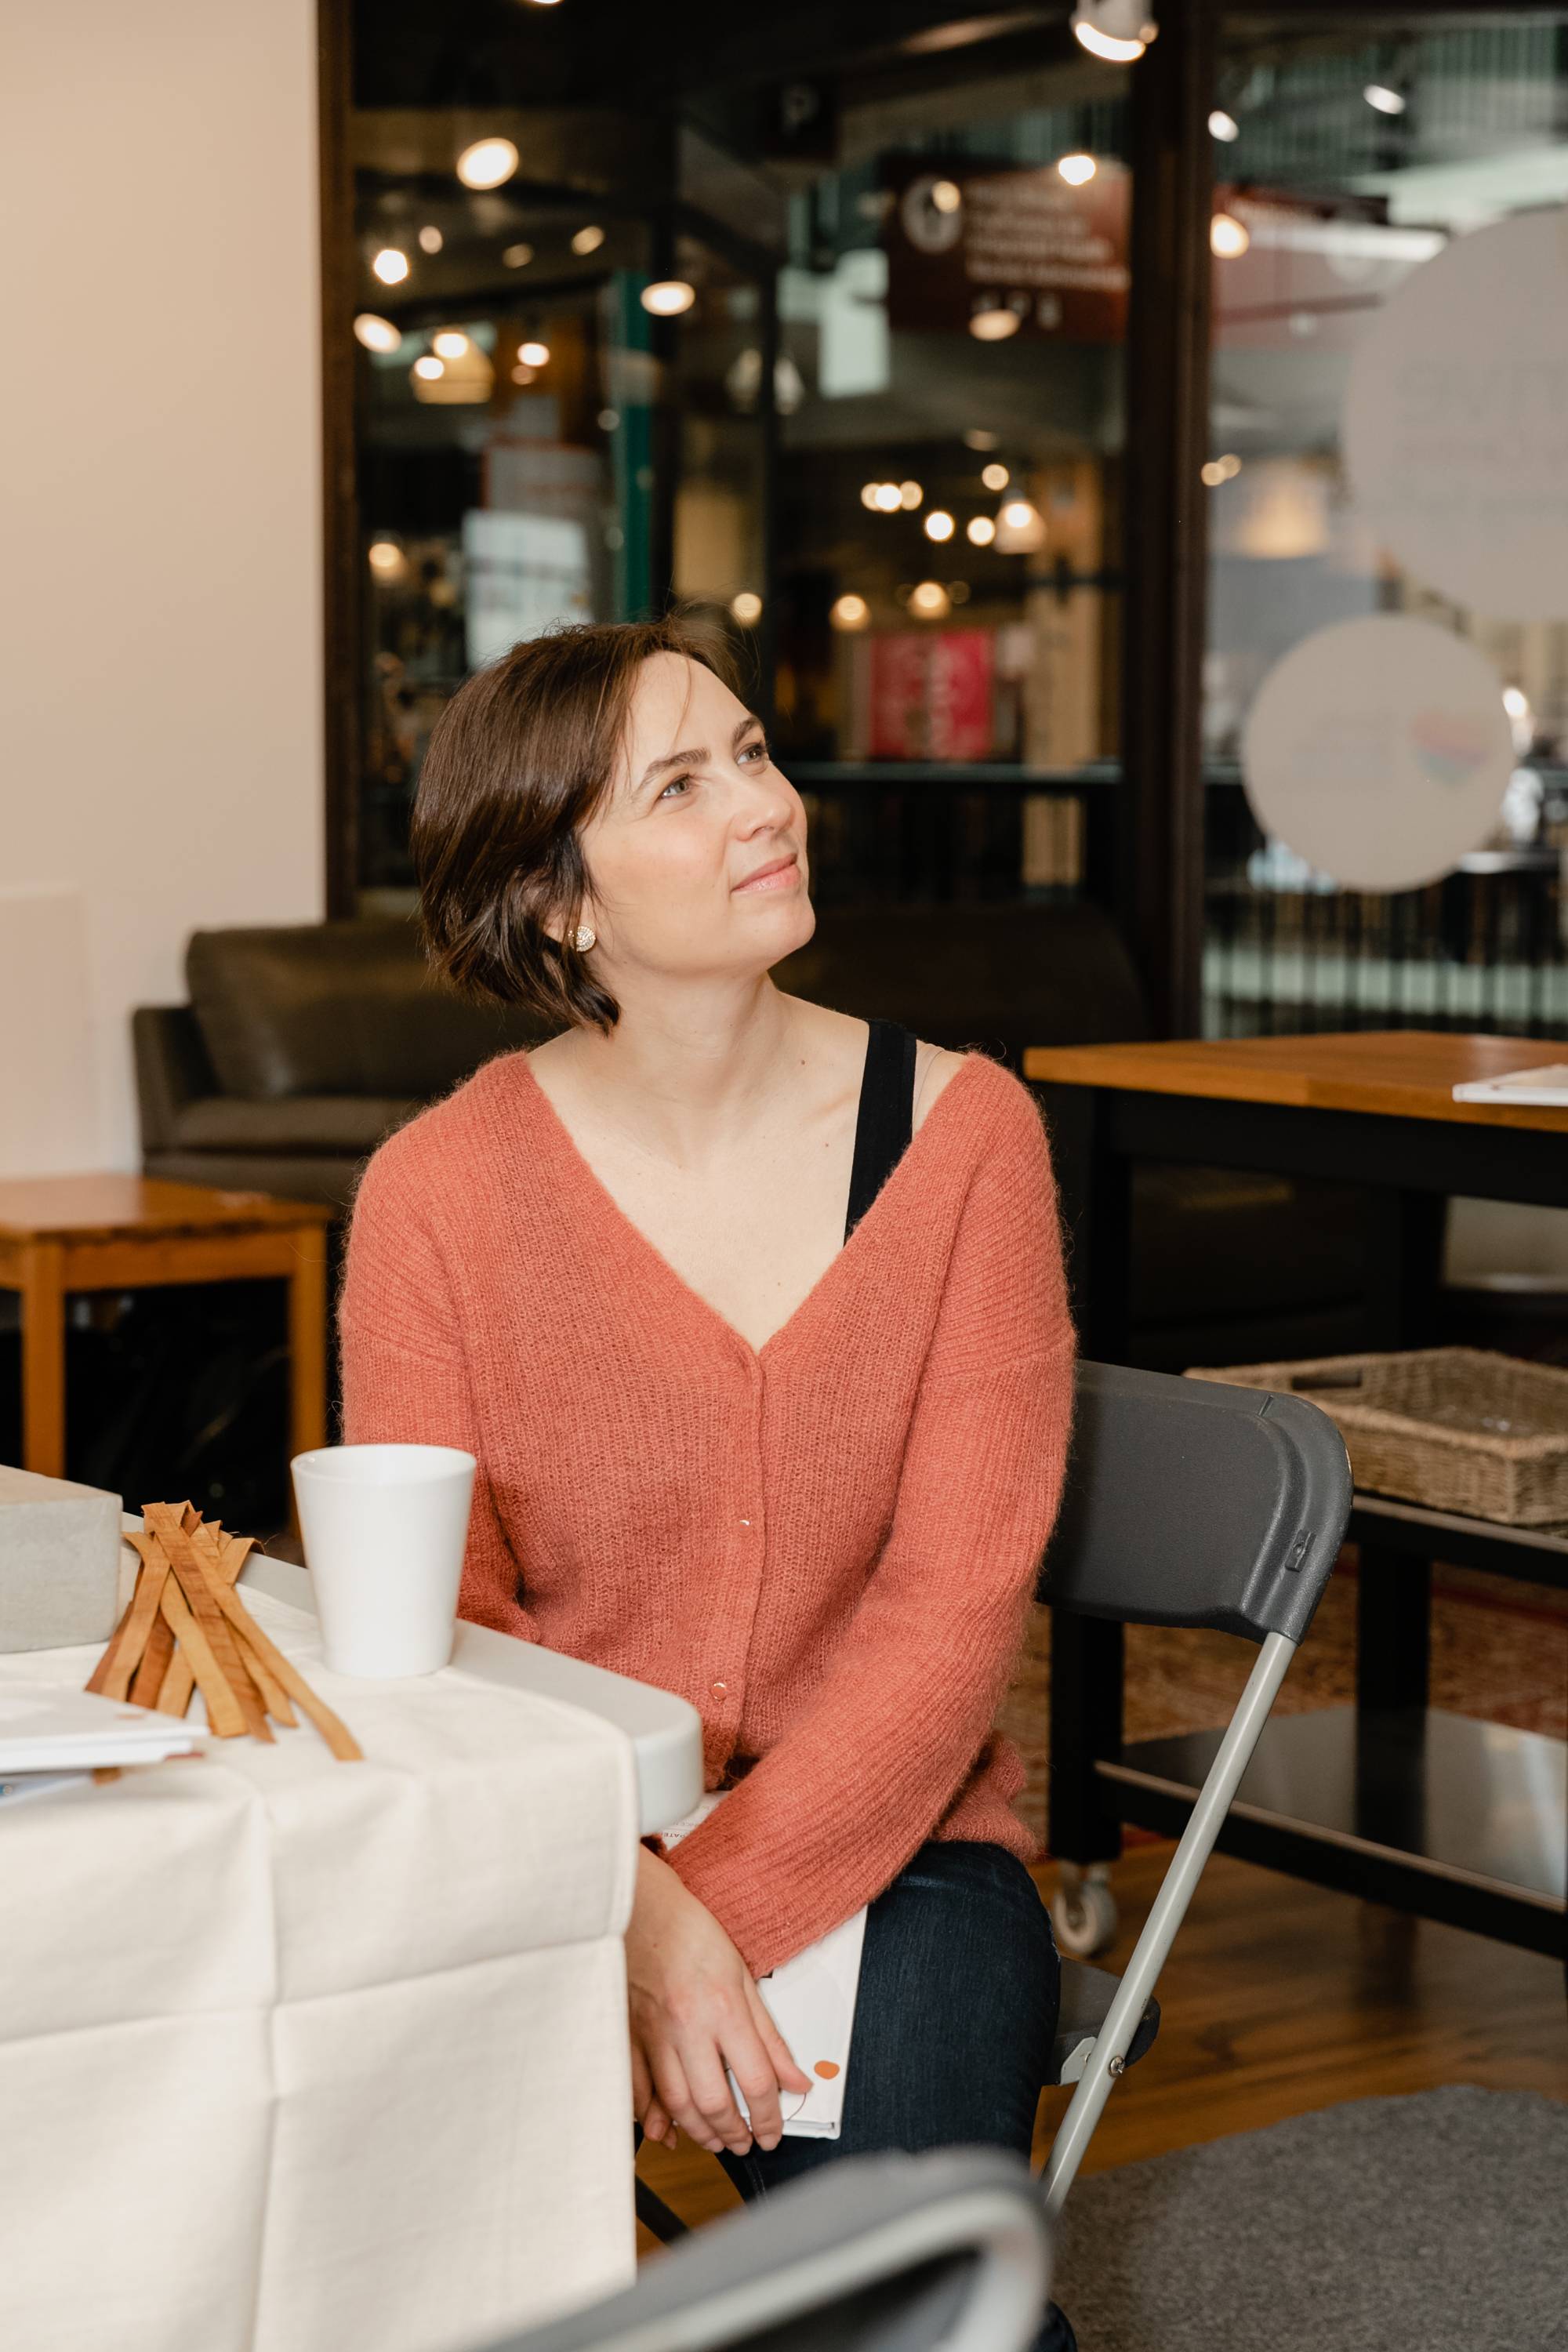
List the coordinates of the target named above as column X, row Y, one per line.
column 720, row 1687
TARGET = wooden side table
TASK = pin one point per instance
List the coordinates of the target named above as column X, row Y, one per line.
column 60, row 1233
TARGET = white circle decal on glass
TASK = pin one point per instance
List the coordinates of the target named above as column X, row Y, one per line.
column 1379, row 751
column 1456, row 420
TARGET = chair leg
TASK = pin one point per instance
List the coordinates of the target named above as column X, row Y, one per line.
column 655, row 2215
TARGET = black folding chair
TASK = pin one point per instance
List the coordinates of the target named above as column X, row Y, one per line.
column 1187, row 1504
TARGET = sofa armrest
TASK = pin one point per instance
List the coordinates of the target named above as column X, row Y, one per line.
column 172, row 1070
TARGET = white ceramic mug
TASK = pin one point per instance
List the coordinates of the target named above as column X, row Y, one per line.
column 384, row 1528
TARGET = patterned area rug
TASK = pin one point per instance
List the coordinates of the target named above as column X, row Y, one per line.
column 1499, row 1652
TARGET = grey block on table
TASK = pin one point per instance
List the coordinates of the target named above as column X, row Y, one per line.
column 60, row 1562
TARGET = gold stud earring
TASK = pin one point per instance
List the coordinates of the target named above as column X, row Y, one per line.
column 583, row 938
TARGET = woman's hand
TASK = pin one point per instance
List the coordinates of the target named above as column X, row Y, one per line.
column 695, row 2009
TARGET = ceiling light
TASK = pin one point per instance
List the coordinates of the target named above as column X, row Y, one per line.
column 1223, row 125
column 1228, row 237
column 668, row 297
column 1117, row 30
column 980, row 531
column 868, row 494
column 1385, row 100
column 939, row 524
column 375, row 334
column 386, row 558
column 533, row 354
column 518, row 256
column 430, row 238
column 946, row 196
column 888, row 501
column 429, row 369
column 451, row 343
column 1221, row 470
column 996, row 478
column 978, row 438
column 992, row 323
column 1076, row 168
column 747, row 608
column 1020, row 527
column 850, row 612
column 521, row 375
column 910, row 496
column 929, row 600
column 588, row 240
column 487, row 163
column 391, row 265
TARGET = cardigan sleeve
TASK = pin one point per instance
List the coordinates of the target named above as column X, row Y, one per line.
column 799, row 1845
column 405, row 1377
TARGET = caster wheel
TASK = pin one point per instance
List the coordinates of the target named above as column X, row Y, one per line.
column 1083, row 1917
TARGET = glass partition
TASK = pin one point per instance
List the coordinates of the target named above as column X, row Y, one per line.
column 1371, row 443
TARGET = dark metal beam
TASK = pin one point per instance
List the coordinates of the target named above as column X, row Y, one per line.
column 1160, row 894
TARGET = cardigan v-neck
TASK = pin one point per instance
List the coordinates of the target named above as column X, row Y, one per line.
column 828, row 1545
column 599, row 1200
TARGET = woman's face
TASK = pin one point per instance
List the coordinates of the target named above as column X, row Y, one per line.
column 696, row 812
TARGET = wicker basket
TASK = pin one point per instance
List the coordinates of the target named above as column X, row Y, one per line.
column 1454, row 1428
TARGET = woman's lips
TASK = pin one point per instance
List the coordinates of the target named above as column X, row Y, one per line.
column 778, row 878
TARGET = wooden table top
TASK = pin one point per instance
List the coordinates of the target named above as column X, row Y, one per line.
column 73, row 1208
column 1396, row 1073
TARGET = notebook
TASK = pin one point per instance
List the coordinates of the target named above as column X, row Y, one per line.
column 811, row 1999
column 46, row 1729
column 1547, row 1085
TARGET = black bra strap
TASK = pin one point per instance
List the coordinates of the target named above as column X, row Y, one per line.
column 886, row 1120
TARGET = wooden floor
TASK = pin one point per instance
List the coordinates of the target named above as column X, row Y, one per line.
column 1279, row 1998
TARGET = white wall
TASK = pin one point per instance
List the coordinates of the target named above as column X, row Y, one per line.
column 160, row 531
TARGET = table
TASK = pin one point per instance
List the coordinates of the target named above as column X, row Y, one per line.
column 306, row 2055
column 60, row 1233
column 1390, row 1799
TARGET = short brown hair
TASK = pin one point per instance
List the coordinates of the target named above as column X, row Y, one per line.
column 516, row 764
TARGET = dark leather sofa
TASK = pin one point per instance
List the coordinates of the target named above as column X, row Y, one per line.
column 302, row 1046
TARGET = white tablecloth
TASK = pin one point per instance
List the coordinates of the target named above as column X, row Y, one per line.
column 302, row 2056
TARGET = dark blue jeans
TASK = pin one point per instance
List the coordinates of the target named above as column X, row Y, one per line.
column 954, row 2019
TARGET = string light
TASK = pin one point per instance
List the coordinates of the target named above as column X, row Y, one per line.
column 1223, row 125
column 946, row 196
column 533, row 354
column 430, row 238
column 391, row 265
column 747, row 608
column 377, row 335
column 939, row 524
column 1077, row 170
column 487, row 163
column 666, row 298
column 910, row 496
column 451, row 343
column 980, row 531
column 850, row 612
column 996, row 477
column 588, row 240
column 429, row 370
column 518, row 256
column 929, row 600
column 1228, row 237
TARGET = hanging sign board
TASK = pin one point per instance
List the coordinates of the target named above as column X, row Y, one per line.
column 1456, row 420
column 1055, row 254
column 1379, row 751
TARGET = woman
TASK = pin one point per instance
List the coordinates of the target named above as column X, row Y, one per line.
column 802, row 1480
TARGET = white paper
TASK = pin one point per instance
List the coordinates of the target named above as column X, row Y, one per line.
column 811, row 1999
column 45, row 1728
column 1547, row 1085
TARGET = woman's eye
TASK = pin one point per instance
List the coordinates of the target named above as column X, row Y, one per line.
column 681, row 781
column 755, row 751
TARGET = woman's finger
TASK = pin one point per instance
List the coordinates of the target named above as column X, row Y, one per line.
column 670, row 2083
column 791, row 2076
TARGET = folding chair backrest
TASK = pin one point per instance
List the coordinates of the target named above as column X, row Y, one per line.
column 1188, row 1503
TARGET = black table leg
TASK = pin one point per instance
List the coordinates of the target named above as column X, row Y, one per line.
column 1393, row 1599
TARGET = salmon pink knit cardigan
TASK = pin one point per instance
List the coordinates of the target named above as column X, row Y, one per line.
column 827, row 1544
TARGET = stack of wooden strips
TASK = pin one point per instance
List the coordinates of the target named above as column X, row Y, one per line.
column 187, row 1628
